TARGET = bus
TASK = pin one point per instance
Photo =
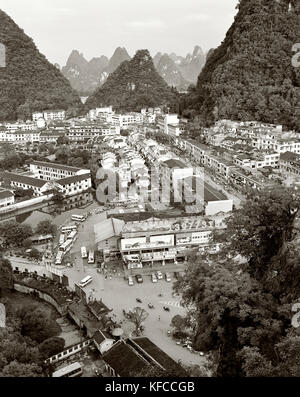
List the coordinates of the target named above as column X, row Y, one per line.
column 91, row 257
column 68, row 229
column 65, row 247
column 59, row 257
column 70, row 371
column 72, row 236
column 83, row 253
column 61, row 239
column 85, row 281
column 78, row 218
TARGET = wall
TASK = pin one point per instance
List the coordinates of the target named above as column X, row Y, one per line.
column 68, row 352
column 28, row 290
column 26, row 203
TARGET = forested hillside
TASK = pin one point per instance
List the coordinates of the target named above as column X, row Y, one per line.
column 134, row 85
column 250, row 76
column 29, row 82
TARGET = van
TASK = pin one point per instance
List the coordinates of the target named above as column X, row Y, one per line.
column 85, row 281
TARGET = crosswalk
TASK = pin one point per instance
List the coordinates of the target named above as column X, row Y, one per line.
column 171, row 303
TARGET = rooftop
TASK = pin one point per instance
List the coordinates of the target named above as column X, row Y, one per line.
column 55, row 166
column 5, row 194
column 27, row 180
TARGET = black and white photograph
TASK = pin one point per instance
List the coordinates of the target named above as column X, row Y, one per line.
column 149, row 192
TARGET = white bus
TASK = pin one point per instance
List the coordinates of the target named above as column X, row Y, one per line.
column 65, row 247
column 68, row 229
column 70, row 371
column 72, row 236
column 61, row 239
column 91, row 257
column 78, row 218
column 59, row 257
column 83, row 253
column 85, row 281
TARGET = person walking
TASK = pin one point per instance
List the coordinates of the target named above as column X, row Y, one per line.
column 158, row 318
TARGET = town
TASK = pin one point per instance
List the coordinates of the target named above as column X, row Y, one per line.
column 108, row 267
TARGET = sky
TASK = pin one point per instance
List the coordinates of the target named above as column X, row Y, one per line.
column 98, row 27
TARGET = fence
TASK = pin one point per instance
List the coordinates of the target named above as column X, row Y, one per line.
column 68, row 352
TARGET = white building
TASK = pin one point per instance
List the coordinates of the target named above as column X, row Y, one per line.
column 6, row 198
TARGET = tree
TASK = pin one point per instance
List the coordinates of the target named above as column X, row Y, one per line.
column 14, row 233
column 51, row 346
column 37, row 324
column 46, row 227
column 137, row 316
column 6, row 275
column 35, row 254
column 19, row 370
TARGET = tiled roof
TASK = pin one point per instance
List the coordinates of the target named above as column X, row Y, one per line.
column 159, row 356
column 125, row 360
column 5, row 194
column 55, row 166
column 27, row 180
column 73, row 179
column 289, row 156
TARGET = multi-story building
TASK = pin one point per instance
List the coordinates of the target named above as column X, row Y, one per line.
column 53, row 171
column 49, row 115
column 82, row 133
column 6, row 198
column 162, row 241
column 290, row 163
column 125, row 120
column 156, row 241
column 46, row 177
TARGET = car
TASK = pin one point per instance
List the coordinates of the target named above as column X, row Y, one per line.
column 176, row 275
column 150, row 306
column 159, row 275
column 130, row 281
column 168, row 277
column 166, row 308
column 153, row 278
column 139, row 278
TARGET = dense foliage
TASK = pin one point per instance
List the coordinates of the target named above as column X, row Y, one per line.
column 29, row 82
column 250, row 76
column 134, row 85
column 240, row 301
column 28, row 339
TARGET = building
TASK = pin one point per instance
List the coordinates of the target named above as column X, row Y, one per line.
column 103, row 341
column 49, row 171
column 48, row 115
column 290, row 163
column 48, row 177
column 168, row 119
column 6, row 198
column 137, row 356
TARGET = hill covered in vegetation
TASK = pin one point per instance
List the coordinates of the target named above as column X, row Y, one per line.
column 28, row 82
column 135, row 84
column 250, row 76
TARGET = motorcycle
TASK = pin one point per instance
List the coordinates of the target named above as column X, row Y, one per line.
column 167, row 309
column 139, row 300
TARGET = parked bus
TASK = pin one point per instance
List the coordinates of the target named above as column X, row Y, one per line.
column 91, row 257
column 65, row 247
column 83, row 253
column 70, row 371
column 85, row 281
column 72, row 236
column 68, row 229
column 78, row 218
column 61, row 239
column 59, row 257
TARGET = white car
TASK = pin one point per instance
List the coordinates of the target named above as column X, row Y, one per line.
column 159, row 275
column 153, row 277
column 130, row 281
column 168, row 277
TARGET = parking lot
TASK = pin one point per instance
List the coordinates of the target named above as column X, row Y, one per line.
column 119, row 296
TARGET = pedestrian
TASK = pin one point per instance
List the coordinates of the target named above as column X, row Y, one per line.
column 158, row 318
